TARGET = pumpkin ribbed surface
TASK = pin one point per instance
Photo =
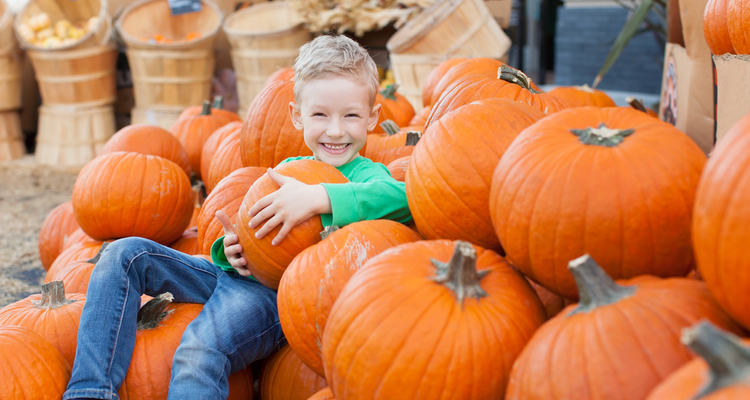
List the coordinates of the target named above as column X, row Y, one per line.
column 716, row 27
column 77, row 252
column 213, row 143
column 194, row 131
column 149, row 139
column 286, row 377
column 434, row 77
column 554, row 197
column 58, row 225
column 582, row 96
column 324, row 394
column 128, row 194
column 226, row 160
column 470, row 68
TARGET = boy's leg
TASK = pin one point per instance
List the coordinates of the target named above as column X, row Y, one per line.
column 238, row 325
column 106, row 336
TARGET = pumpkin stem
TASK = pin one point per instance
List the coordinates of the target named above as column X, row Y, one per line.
column 53, row 296
column 412, row 138
column 727, row 358
column 328, row 231
column 586, row 88
column 595, row 287
column 635, row 103
column 151, row 314
column 512, row 75
column 218, row 102
column 98, row 255
column 206, row 108
column 199, row 193
column 390, row 91
column 389, row 127
column 602, row 136
column 460, row 273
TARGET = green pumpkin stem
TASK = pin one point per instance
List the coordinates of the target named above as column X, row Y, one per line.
column 390, row 91
column 218, row 102
column 460, row 273
column 98, row 255
column 602, row 136
column 595, row 287
column 328, row 231
column 206, row 108
column 151, row 314
column 512, row 75
column 53, row 296
column 727, row 357
column 412, row 138
column 390, row 127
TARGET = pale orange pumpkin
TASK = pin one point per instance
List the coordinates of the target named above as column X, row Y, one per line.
column 57, row 227
column 285, row 377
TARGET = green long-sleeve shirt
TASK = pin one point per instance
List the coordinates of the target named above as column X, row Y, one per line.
column 371, row 193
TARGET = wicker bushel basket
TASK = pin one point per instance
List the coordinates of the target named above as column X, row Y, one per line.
column 74, row 11
column 173, row 73
column 447, row 29
column 11, row 60
column 264, row 38
column 11, row 137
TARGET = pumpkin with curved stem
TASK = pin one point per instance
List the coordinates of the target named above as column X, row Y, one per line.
column 582, row 96
column 628, row 332
column 394, row 137
column 412, row 319
column 33, row 369
column 509, row 83
column 213, row 143
column 389, row 155
column 611, row 182
column 400, row 108
column 226, row 196
column 51, row 314
column 469, row 68
column 78, row 236
column 716, row 27
column 447, row 185
column 75, row 275
column 128, row 194
column 225, row 161
column 719, row 373
column 398, row 167
column 268, row 136
column 217, row 109
column 57, row 227
column 194, row 131
column 149, row 139
column 285, row 377
column 265, row 261
column 721, row 222
column 77, row 252
column 304, row 308
column 434, row 77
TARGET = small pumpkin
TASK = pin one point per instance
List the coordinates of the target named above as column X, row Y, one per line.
column 737, row 27
column 57, row 227
column 285, row 377
column 420, row 118
column 76, row 274
column 188, row 242
column 398, row 167
column 217, row 109
column 716, row 27
column 398, row 105
column 194, row 131
column 78, row 236
column 434, row 77
column 149, row 139
column 472, row 67
column 213, row 143
column 77, row 252
column 582, row 96
column 394, row 137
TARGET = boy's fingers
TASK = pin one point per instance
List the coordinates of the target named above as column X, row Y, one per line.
column 268, row 226
column 259, row 205
column 276, row 177
column 283, row 232
column 225, row 222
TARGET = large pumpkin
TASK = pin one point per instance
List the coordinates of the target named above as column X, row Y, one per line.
column 75, row 275
column 304, row 308
column 716, row 27
column 429, row 320
column 720, row 373
column 217, row 110
column 611, row 182
column 194, row 131
column 213, row 143
column 618, row 343
column 149, row 139
column 51, row 314
column 736, row 13
column 434, row 77
column 268, row 136
column 32, row 368
column 721, row 222
column 226, row 196
column 265, row 261
column 448, row 183
column 323, row 394
column 582, row 96
column 129, row 194
column 77, row 252
column 285, row 377
column 226, row 160
column 58, row 225
column 467, row 68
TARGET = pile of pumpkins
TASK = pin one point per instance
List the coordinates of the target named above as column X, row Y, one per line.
column 562, row 248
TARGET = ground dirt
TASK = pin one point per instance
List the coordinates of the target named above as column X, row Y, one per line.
column 28, row 192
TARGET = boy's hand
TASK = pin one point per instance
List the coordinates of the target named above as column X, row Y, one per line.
column 232, row 246
column 294, row 203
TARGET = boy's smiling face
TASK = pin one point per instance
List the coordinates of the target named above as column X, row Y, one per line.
column 335, row 114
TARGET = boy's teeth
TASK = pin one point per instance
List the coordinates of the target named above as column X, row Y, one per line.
column 335, row 147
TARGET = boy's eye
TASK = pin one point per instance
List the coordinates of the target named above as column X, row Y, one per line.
column 318, row 115
column 353, row 115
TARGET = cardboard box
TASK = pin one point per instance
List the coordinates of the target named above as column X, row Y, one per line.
column 687, row 99
column 732, row 91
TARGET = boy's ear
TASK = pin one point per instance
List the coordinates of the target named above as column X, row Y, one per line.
column 296, row 116
column 374, row 115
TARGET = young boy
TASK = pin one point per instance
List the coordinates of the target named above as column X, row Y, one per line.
column 335, row 87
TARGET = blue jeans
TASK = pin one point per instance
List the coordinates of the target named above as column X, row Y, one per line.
column 239, row 322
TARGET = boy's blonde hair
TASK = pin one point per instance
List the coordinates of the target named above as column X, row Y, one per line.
column 335, row 55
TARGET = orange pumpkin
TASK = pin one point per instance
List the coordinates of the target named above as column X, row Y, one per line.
column 187, row 243
column 78, row 236
column 721, row 222
column 388, row 156
column 77, row 252
column 582, row 96
column 736, row 11
column 394, row 137
column 51, row 314
column 509, row 84
column 304, row 308
column 226, row 196
column 398, row 167
column 485, row 67
column 420, row 119
column 552, row 303
column 268, row 136
column 611, row 182
column 33, row 369
column 58, row 225
column 225, row 161
column 448, row 183
column 76, row 274
column 281, row 74
column 420, row 310
column 324, row 394
column 217, row 109
column 718, row 374
column 397, row 104
column 285, row 377
column 129, row 194
column 434, row 77
column 716, row 27
column 194, row 131
column 629, row 333
column 149, row 139
column 267, row 262
column 213, row 143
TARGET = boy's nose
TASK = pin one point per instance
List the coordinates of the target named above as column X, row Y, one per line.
column 335, row 130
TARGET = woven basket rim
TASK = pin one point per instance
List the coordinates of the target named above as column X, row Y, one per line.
column 266, row 34
column 103, row 18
